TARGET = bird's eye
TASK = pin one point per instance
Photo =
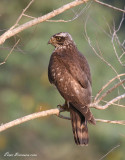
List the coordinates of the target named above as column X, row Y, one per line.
column 58, row 38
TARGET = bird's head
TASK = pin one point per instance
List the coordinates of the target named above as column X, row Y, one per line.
column 60, row 39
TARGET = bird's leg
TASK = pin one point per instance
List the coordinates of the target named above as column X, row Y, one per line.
column 64, row 107
column 63, row 117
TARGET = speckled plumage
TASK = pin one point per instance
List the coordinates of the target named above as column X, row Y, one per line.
column 69, row 71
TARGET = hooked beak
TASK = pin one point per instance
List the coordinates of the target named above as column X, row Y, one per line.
column 50, row 41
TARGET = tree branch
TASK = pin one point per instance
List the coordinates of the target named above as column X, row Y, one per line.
column 55, row 111
column 107, row 84
column 97, row 106
column 110, row 90
column 112, row 122
column 109, row 152
column 10, row 52
column 22, row 14
column 13, row 31
column 105, row 4
column 29, row 117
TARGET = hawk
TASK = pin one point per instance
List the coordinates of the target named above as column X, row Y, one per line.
column 69, row 71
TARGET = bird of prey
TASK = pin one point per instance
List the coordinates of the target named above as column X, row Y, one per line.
column 69, row 71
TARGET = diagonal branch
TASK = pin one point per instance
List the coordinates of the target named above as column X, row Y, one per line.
column 114, row 100
column 29, row 117
column 10, row 52
column 13, row 31
column 110, row 6
column 107, row 84
column 109, row 152
column 22, row 14
column 110, row 90
column 97, row 106
column 96, row 52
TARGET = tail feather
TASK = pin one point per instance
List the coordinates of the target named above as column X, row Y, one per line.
column 79, row 126
column 84, row 110
column 90, row 118
column 74, row 127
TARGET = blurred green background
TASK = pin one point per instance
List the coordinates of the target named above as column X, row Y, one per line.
column 25, row 89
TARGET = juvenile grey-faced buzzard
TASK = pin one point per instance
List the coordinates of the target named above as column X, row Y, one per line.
column 69, row 71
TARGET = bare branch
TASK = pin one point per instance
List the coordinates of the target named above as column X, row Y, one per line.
column 13, row 31
column 109, row 152
column 112, row 122
column 114, row 100
column 75, row 17
column 43, row 114
column 110, row 90
column 107, row 84
column 100, row 53
column 10, row 53
column 21, row 15
column 26, row 15
column 105, row 4
column 115, row 104
column 29, row 117
column 97, row 106
column 116, row 39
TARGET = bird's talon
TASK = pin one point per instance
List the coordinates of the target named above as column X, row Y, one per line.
column 59, row 106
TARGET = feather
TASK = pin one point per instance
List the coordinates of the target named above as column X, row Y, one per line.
column 79, row 127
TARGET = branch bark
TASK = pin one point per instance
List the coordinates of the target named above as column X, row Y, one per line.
column 29, row 117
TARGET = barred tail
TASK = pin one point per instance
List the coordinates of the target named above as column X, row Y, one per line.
column 79, row 127
column 85, row 111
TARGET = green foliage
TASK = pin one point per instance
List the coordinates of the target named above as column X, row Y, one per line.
column 24, row 85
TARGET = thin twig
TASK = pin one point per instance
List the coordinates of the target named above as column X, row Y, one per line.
column 99, row 55
column 77, row 15
column 116, row 39
column 112, row 122
column 105, row 4
column 110, row 90
column 97, row 106
column 26, row 15
column 60, row 20
column 115, row 104
column 21, row 15
column 106, row 62
column 114, row 100
column 107, row 84
column 109, row 152
column 10, row 52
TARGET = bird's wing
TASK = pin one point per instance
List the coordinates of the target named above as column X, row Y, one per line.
column 74, row 68
column 50, row 69
column 85, row 66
